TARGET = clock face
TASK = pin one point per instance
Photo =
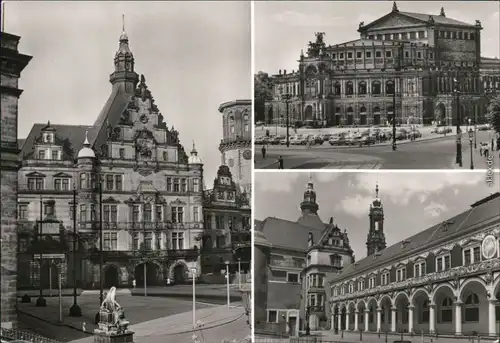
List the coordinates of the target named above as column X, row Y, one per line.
column 247, row 154
column 489, row 247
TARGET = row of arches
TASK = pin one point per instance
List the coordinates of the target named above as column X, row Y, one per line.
column 445, row 310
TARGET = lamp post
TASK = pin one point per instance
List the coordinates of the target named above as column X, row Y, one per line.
column 239, row 272
column 286, row 98
column 75, row 310
column 40, row 302
column 471, row 136
column 308, row 313
column 459, row 131
column 193, row 271
column 227, row 284
column 394, row 144
column 101, row 262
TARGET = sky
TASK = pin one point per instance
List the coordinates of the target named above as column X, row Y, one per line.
column 412, row 201
column 283, row 28
column 194, row 56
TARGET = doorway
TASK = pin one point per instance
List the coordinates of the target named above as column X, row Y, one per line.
column 111, row 276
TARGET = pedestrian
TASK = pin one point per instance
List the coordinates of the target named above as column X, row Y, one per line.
column 84, row 327
column 486, row 150
column 264, row 152
column 280, row 162
column 134, row 283
column 492, row 144
column 481, row 149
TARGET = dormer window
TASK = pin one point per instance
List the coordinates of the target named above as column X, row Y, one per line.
column 443, row 262
column 471, row 255
column 342, row 290
column 361, row 285
column 55, row 155
column 41, row 154
column 371, row 282
column 385, row 278
column 351, row 288
column 420, row 268
column 401, row 274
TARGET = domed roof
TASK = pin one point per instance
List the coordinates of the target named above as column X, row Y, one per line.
column 194, row 158
column 86, row 151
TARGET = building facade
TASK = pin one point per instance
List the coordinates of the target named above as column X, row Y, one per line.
column 443, row 280
column 13, row 63
column 410, row 66
column 129, row 172
column 227, row 206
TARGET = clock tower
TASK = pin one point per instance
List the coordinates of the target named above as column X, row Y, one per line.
column 236, row 143
column 376, row 238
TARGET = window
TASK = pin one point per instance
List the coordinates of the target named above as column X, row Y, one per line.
column 195, row 214
column 148, row 240
column 147, row 215
column 272, row 316
column 471, row 308
column 471, row 255
column 159, row 213
column 292, row 277
column 121, row 152
column 135, row 213
column 359, row 54
column 376, row 89
column 135, row 241
column 387, row 36
column 424, row 318
column 379, row 37
column 55, row 154
column 419, row 55
column 176, row 185
column 106, row 213
column 371, row 282
column 349, row 90
column 385, row 278
column 368, row 54
column 177, row 240
column 336, row 260
column 378, row 54
column 57, row 184
column 177, row 215
column 421, row 34
column 92, row 212
column 431, row 55
column 341, row 55
column 371, row 37
column 413, row 35
column 389, row 87
column 442, row 263
column 83, row 181
column 361, row 285
column 93, row 181
column 471, row 36
column 196, row 185
column 169, row 184
column 158, row 237
column 419, row 269
column 110, row 241
column 388, row 53
column 466, row 35
column 404, row 35
column 401, row 274
column 65, row 184
column 459, row 35
column 446, row 311
column 41, row 154
column 351, row 287
column 407, row 54
column 109, row 182
column 454, row 35
column 349, row 55
column 118, row 182
column 23, row 212
column 183, row 186
column 337, row 88
column 342, row 290
column 83, row 213
column 48, row 208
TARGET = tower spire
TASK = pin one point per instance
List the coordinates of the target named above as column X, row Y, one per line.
column 376, row 190
column 86, row 142
column 123, row 22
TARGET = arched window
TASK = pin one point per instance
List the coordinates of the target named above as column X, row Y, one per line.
column 349, row 90
column 376, row 110
column 311, row 87
column 337, row 88
column 447, row 310
column 471, row 308
column 425, row 312
column 362, row 109
column 376, row 88
column 362, row 87
column 83, row 181
column 389, row 87
column 337, row 110
column 350, row 110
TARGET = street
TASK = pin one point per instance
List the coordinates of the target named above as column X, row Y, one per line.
column 435, row 153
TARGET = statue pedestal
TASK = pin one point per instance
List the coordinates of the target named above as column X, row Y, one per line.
column 108, row 337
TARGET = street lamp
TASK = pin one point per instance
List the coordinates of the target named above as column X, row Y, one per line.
column 193, row 271
column 286, row 98
column 459, row 131
column 75, row 310
column 227, row 283
column 101, row 257
column 394, row 144
column 239, row 272
column 471, row 136
column 308, row 314
column 40, row 302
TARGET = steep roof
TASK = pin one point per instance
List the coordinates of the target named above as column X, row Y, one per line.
column 438, row 19
column 434, row 235
column 285, row 234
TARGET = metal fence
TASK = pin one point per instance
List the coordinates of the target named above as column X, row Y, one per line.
column 12, row 334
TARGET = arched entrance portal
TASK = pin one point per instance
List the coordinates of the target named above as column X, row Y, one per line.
column 152, row 274
column 308, row 113
column 180, row 273
column 440, row 114
column 111, row 276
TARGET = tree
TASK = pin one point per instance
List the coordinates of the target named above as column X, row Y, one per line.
column 263, row 91
column 494, row 113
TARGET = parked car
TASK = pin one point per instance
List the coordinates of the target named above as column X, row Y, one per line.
column 259, row 140
column 276, row 140
column 294, row 140
column 318, row 139
column 415, row 134
column 483, row 127
column 337, row 140
column 367, row 140
column 444, row 129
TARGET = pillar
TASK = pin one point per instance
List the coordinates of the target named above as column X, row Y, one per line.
column 332, row 327
column 393, row 319
column 367, row 314
column 347, row 314
column 458, row 318
column 410, row 318
column 379, row 319
column 356, row 314
column 432, row 318
column 492, row 317
column 339, row 320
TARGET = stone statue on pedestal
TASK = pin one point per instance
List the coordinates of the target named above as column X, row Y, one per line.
column 112, row 327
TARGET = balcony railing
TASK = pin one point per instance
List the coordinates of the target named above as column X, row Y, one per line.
column 188, row 254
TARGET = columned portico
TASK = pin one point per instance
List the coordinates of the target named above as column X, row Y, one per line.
column 432, row 318
column 356, row 315
column 367, row 325
column 410, row 317
column 393, row 319
column 379, row 319
column 458, row 318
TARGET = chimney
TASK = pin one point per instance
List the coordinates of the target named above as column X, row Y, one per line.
column 284, row 71
column 280, row 71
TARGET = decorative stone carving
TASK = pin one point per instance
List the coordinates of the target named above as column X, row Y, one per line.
column 112, row 316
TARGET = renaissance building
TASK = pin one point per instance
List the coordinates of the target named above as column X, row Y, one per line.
column 129, row 172
column 419, row 68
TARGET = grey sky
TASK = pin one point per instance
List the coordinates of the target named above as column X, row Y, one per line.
column 282, row 28
column 413, row 201
column 194, row 56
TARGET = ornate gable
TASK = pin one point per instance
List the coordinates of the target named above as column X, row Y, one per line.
column 62, row 175
column 35, row 174
column 391, row 20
